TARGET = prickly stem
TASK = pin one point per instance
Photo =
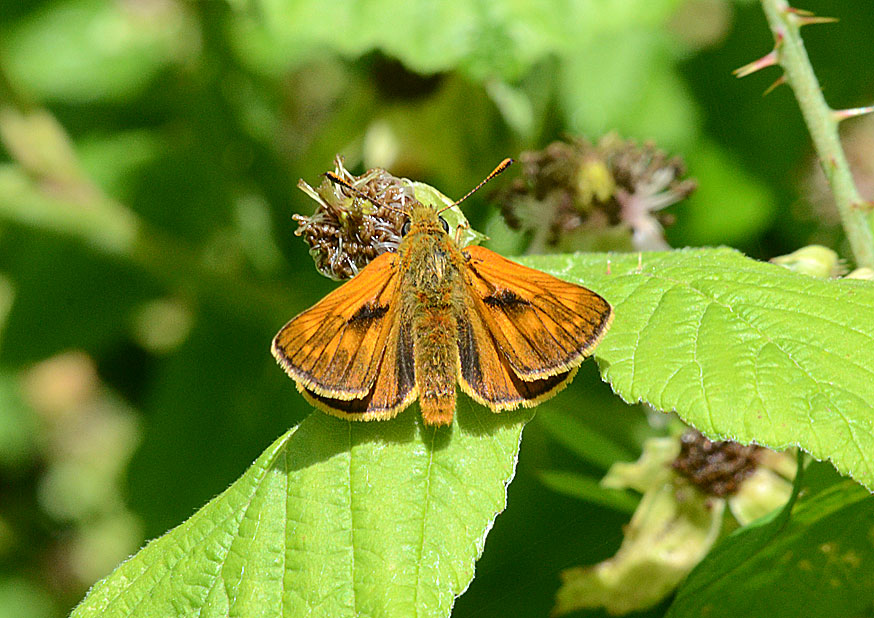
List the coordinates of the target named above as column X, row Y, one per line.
column 822, row 122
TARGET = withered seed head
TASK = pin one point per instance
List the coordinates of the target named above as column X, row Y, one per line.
column 347, row 231
column 575, row 195
column 716, row 468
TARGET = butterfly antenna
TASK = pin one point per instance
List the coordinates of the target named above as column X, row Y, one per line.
column 501, row 167
column 339, row 181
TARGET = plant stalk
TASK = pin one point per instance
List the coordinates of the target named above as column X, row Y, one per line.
column 857, row 215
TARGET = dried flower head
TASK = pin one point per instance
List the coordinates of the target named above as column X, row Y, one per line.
column 347, row 231
column 715, row 468
column 675, row 524
column 351, row 227
column 575, row 195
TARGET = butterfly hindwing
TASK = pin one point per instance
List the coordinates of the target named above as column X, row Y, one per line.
column 485, row 374
column 543, row 326
column 393, row 390
column 334, row 349
column 395, row 386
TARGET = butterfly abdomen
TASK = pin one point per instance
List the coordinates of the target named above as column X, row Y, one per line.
column 435, row 351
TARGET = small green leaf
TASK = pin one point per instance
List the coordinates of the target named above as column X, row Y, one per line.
column 818, row 562
column 334, row 519
column 589, row 489
column 742, row 350
column 584, row 440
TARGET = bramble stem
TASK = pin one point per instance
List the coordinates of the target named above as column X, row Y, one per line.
column 857, row 216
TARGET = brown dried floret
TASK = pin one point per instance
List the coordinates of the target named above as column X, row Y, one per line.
column 575, row 195
column 347, row 231
column 716, row 468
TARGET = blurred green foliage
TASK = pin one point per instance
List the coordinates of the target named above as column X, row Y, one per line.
column 189, row 125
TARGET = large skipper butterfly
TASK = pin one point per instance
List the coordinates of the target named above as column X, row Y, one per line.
column 414, row 323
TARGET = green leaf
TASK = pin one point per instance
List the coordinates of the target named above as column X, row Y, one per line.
column 584, row 440
column 482, row 38
column 816, row 563
column 91, row 50
column 596, row 96
column 742, row 350
column 334, row 519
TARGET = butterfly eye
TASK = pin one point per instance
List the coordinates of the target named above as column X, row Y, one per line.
column 405, row 227
column 445, row 224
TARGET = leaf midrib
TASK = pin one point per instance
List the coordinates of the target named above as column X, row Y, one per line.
column 425, row 507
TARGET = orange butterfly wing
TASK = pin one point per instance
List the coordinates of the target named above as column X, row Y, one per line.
column 334, row 348
column 544, row 327
column 349, row 354
column 485, row 373
column 393, row 390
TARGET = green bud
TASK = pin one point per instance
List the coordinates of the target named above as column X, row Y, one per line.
column 862, row 273
column 813, row 260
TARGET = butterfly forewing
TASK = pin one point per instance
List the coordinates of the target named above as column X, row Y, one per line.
column 543, row 326
column 334, row 349
column 395, row 386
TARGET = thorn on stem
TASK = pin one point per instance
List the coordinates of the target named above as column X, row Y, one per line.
column 791, row 10
column 813, row 20
column 768, row 60
column 867, row 206
column 807, row 18
column 779, row 82
column 843, row 114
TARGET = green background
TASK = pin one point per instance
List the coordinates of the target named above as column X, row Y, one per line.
column 201, row 117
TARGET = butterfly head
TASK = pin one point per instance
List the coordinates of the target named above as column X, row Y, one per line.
column 424, row 219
